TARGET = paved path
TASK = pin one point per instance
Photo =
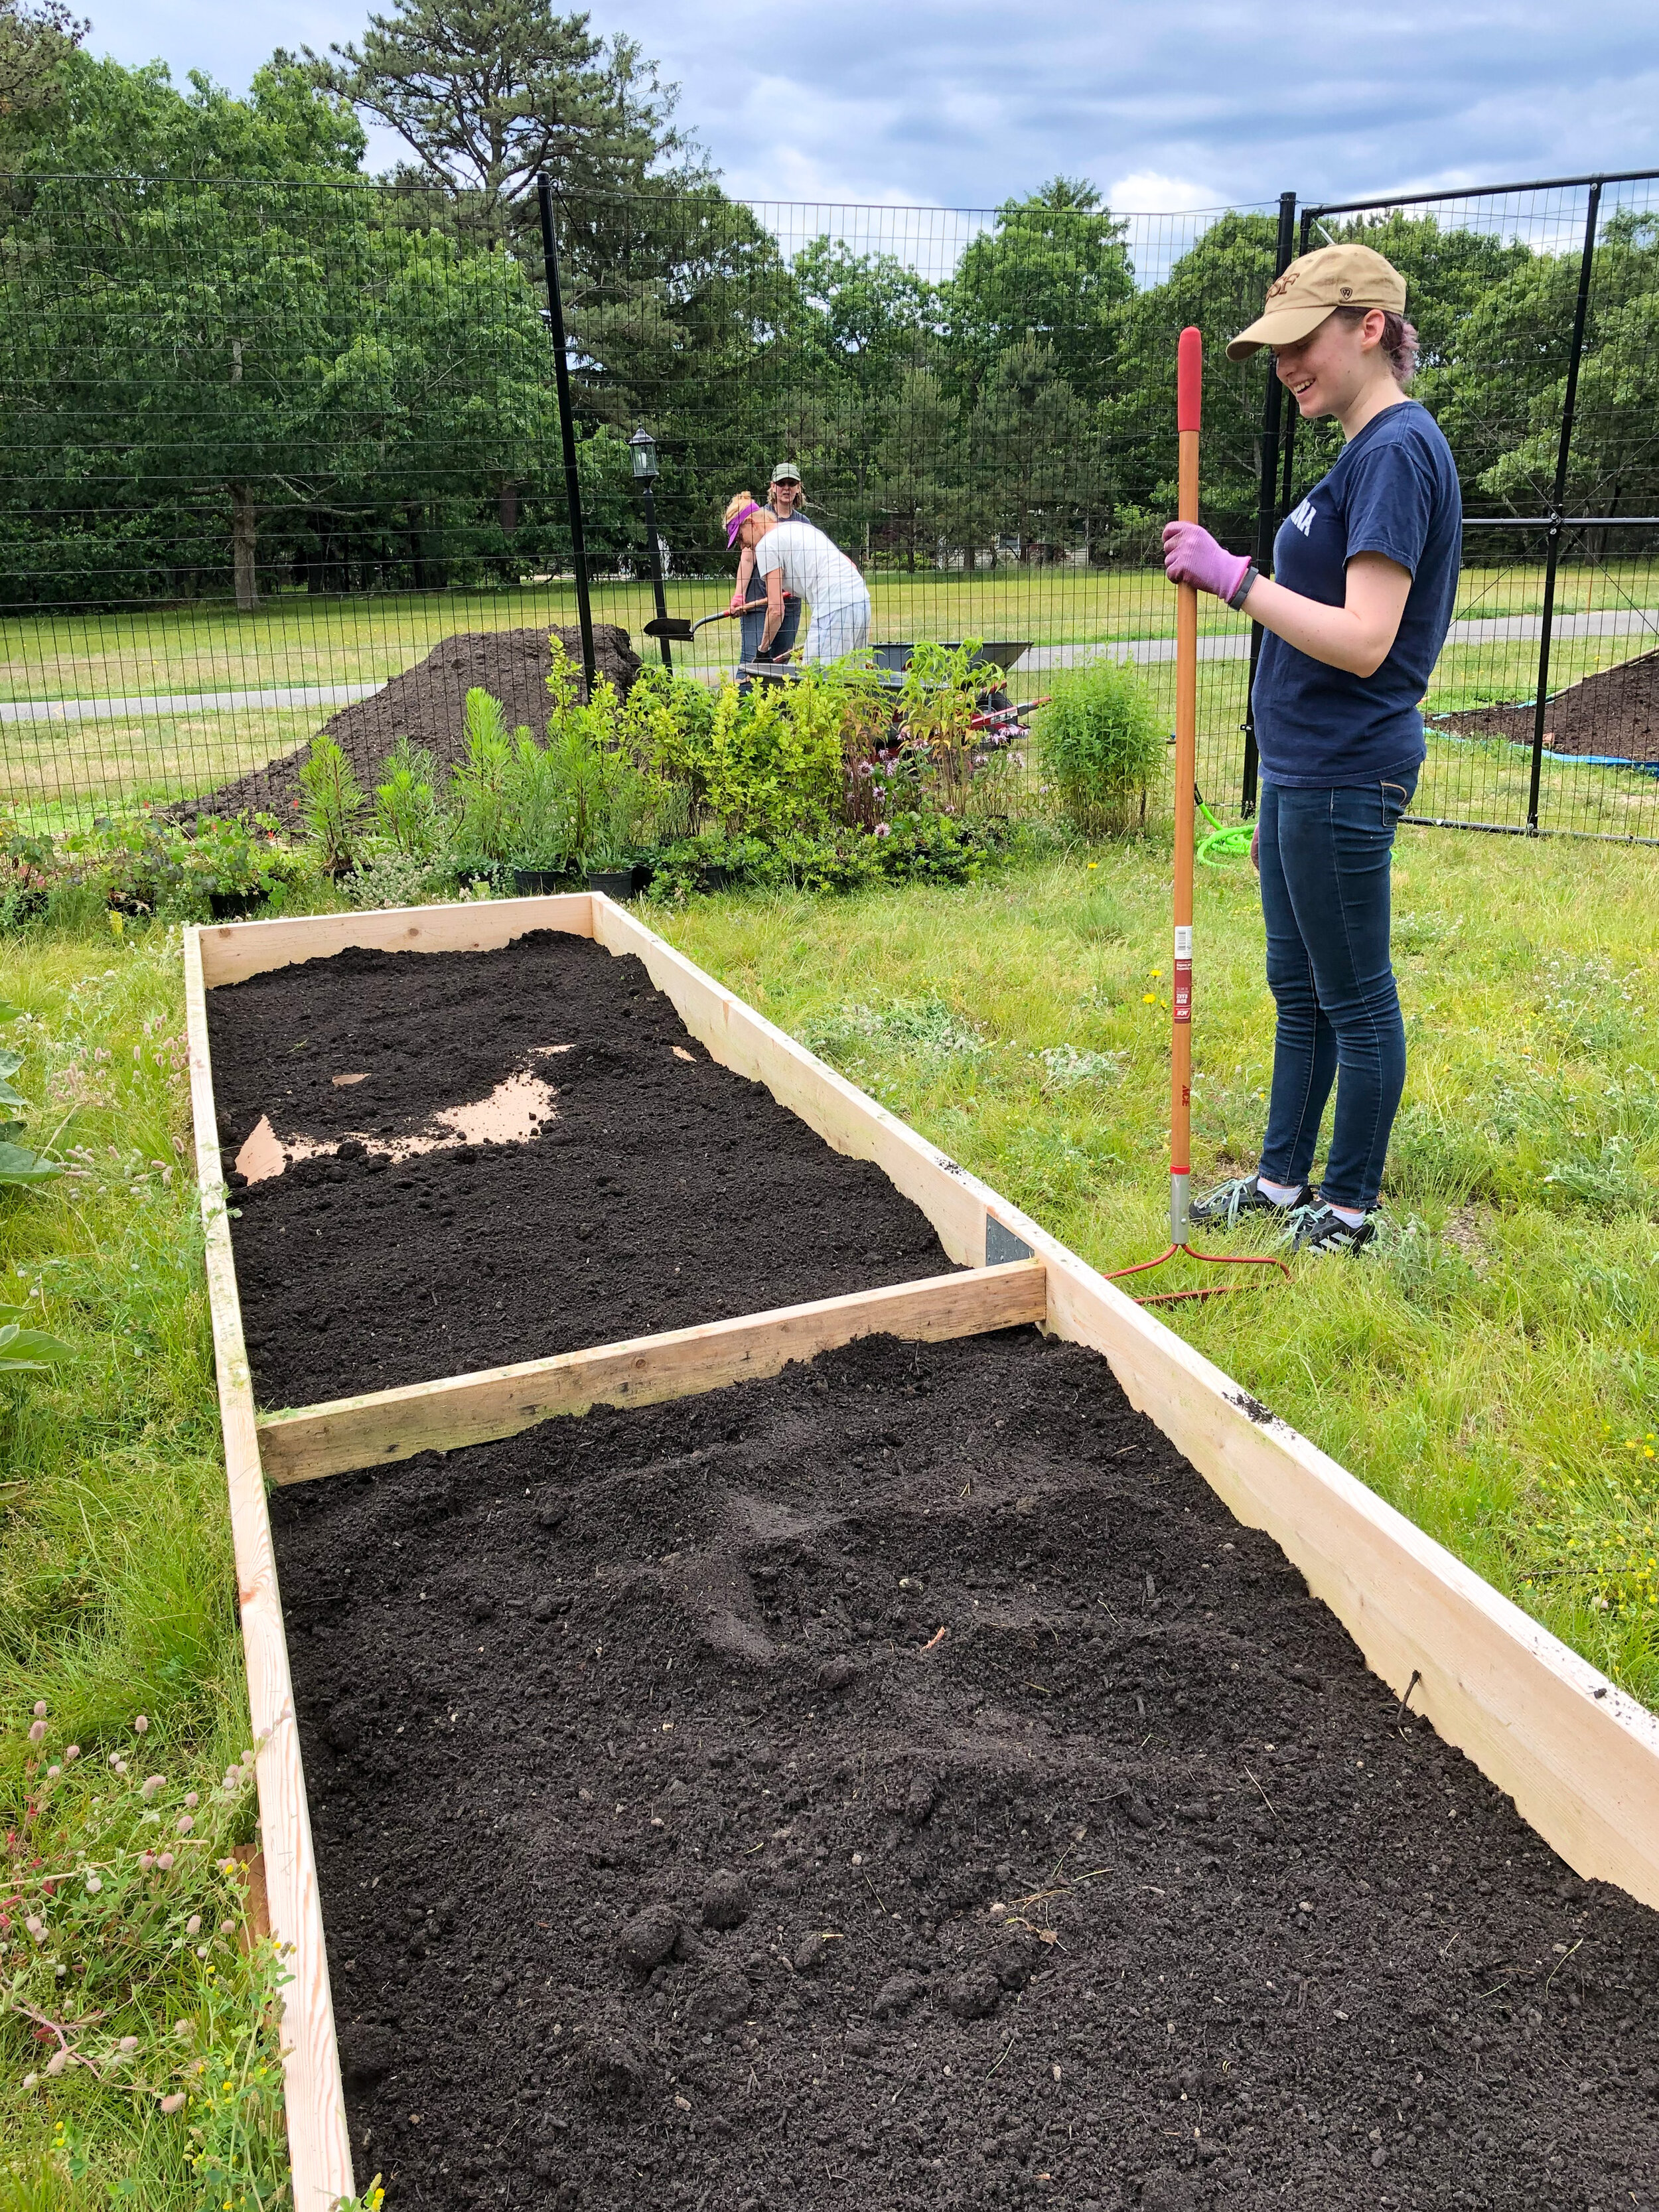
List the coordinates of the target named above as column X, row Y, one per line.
column 1231, row 645
column 179, row 702
column 1235, row 645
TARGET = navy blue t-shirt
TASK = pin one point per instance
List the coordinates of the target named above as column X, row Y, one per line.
column 1394, row 491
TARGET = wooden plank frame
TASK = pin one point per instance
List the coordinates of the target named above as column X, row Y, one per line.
column 1578, row 1756
column 319, row 2147
column 386, row 1425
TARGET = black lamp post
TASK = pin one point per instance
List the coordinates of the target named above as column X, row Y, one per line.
column 643, row 448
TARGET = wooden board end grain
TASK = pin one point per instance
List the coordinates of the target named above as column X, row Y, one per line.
column 319, row 2147
column 387, row 1426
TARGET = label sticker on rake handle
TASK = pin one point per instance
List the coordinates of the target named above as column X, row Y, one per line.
column 1183, row 990
column 1183, row 942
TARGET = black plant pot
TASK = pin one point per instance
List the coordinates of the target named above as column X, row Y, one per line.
column 615, row 883
column 542, row 883
column 232, row 905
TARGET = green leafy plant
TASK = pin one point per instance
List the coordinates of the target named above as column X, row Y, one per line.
column 389, row 877
column 1103, row 745
column 30, row 1350
column 332, row 801
column 19, row 1165
column 937, row 705
column 549, row 792
column 406, row 802
column 481, row 820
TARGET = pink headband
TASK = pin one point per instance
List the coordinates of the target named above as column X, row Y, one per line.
column 736, row 522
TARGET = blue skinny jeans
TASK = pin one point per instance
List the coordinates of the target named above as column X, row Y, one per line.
column 1325, row 861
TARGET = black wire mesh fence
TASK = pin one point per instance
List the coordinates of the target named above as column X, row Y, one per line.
column 1539, row 310
column 274, row 453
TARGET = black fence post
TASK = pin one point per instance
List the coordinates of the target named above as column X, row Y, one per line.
column 1294, row 416
column 1558, row 498
column 566, row 429
column 1266, row 520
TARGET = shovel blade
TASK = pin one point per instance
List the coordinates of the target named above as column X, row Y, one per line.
column 669, row 626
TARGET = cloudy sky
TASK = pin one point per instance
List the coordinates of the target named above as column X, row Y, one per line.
column 959, row 103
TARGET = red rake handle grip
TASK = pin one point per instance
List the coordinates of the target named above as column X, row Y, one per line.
column 1189, row 379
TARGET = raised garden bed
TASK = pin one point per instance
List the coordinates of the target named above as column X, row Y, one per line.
column 634, row 1183
column 977, row 1711
column 902, row 1783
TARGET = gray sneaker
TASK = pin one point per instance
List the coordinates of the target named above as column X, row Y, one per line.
column 1221, row 1208
column 1321, row 1229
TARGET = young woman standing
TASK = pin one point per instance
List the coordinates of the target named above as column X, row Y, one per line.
column 1366, row 576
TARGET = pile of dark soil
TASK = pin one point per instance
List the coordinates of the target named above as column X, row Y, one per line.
column 672, row 1857
column 428, row 702
column 1615, row 713
column 666, row 1191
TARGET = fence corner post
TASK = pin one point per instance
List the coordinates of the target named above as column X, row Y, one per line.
column 567, row 429
column 1558, row 500
column 1266, row 516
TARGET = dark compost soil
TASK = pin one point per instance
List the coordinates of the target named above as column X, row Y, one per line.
column 428, row 702
column 1615, row 713
column 669, row 1857
column 665, row 1191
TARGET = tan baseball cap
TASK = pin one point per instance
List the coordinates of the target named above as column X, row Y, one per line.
column 1299, row 300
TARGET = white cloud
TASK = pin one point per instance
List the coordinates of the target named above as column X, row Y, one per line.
column 961, row 104
column 1149, row 192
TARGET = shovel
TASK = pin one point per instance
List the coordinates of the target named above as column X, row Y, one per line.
column 682, row 629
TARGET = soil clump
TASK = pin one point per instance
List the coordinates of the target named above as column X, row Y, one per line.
column 1134, row 1889
column 1614, row 714
column 664, row 1190
column 428, row 703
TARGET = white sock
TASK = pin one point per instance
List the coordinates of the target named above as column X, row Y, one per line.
column 1353, row 1215
column 1281, row 1193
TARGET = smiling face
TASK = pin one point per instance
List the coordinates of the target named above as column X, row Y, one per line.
column 1327, row 371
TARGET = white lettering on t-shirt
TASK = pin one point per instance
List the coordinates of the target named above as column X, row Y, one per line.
column 1302, row 516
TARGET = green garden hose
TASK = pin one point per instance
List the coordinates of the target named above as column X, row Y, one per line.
column 1226, row 840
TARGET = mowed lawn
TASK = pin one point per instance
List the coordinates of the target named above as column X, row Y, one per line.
column 297, row 639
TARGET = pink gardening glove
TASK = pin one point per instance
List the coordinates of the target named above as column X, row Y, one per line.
column 1192, row 556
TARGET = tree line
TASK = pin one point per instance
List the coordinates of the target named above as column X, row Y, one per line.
column 229, row 361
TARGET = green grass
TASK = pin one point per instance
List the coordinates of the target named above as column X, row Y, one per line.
column 117, row 1598
column 1491, row 1370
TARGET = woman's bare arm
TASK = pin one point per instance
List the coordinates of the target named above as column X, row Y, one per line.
column 1360, row 634
column 774, row 621
column 745, row 570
